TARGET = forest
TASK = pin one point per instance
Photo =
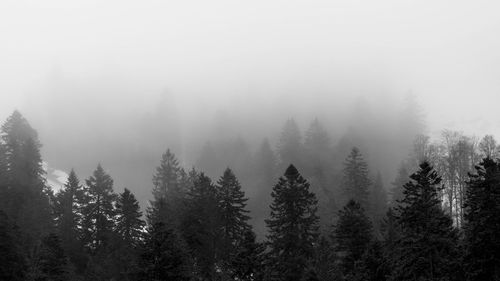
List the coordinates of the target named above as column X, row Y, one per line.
column 310, row 216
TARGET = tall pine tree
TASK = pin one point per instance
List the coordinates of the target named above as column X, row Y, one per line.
column 427, row 246
column 99, row 211
column 352, row 235
column 293, row 226
column 69, row 203
column 201, row 226
column 233, row 213
column 355, row 181
column 25, row 193
column 378, row 201
column 163, row 256
column 482, row 227
column 168, row 191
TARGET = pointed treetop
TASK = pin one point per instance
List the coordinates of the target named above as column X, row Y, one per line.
column 291, row 171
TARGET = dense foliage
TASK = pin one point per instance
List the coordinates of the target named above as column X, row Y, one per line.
column 442, row 224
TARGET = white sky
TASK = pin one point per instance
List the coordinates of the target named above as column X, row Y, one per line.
column 446, row 52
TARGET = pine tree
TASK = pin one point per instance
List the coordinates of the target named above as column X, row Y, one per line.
column 163, row 257
column 25, row 193
column 129, row 224
column 352, row 235
column 12, row 261
column 324, row 261
column 233, row 213
column 378, row 201
column 52, row 263
column 247, row 261
column 166, row 178
column 317, row 145
column 397, row 186
column 99, row 212
column 318, row 162
column 356, row 182
column 482, row 227
column 201, row 226
column 426, row 249
column 168, row 191
column 292, row 226
column 290, row 147
column 68, row 205
column 264, row 172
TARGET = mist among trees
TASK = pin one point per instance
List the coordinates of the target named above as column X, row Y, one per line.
column 305, row 207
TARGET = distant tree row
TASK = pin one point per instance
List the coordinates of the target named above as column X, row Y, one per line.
column 197, row 229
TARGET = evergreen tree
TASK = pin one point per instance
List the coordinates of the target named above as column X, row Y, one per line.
column 168, row 191
column 397, row 186
column 378, row 201
column 52, row 263
column 352, row 236
column 247, row 261
column 482, row 227
column 25, row 194
column 290, row 147
column 166, row 178
column 427, row 247
column 129, row 224
column 201, row 226
column 317, row 145
column 163, row 256
column 292, row 226
column 233, row 213
column 12, row 261
column 69, row 202
column 99, row 212
column 324, row 261
column 264, row 172
column 318, row 162
column 356, row 182
column 372, row 266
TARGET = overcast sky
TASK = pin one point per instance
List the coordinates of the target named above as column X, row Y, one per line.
column 217, row 52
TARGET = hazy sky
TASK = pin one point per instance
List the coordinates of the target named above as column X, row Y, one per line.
column 215, row 53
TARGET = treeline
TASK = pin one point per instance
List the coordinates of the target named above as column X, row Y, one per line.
column 432, row 225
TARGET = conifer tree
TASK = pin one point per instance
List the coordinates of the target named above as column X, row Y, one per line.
column 482, row 227
column 290, row 147
column 52, row 263
column 247, row 261
column 168, row 191
column 317, row 146
column 12, row 261
column 201, row 226
column 352, row 235
column 166, row 178
column 264, row 171
column 25, row 193
column 427, row 247
column 324, row 262
column 163, row 256
column 378, row 201
column 233, row 213
column 68, row 207
column 355, row 181
column 397, row 186
column 292, row 226
column 99, row 211
column 129, row 224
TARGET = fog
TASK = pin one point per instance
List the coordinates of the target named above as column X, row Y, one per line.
column 119, row 82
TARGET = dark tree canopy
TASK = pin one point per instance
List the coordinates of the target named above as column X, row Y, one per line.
column 427, row 246
column 482, row 227
column 356, row 182
column 292, row 225
column 352, row 235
